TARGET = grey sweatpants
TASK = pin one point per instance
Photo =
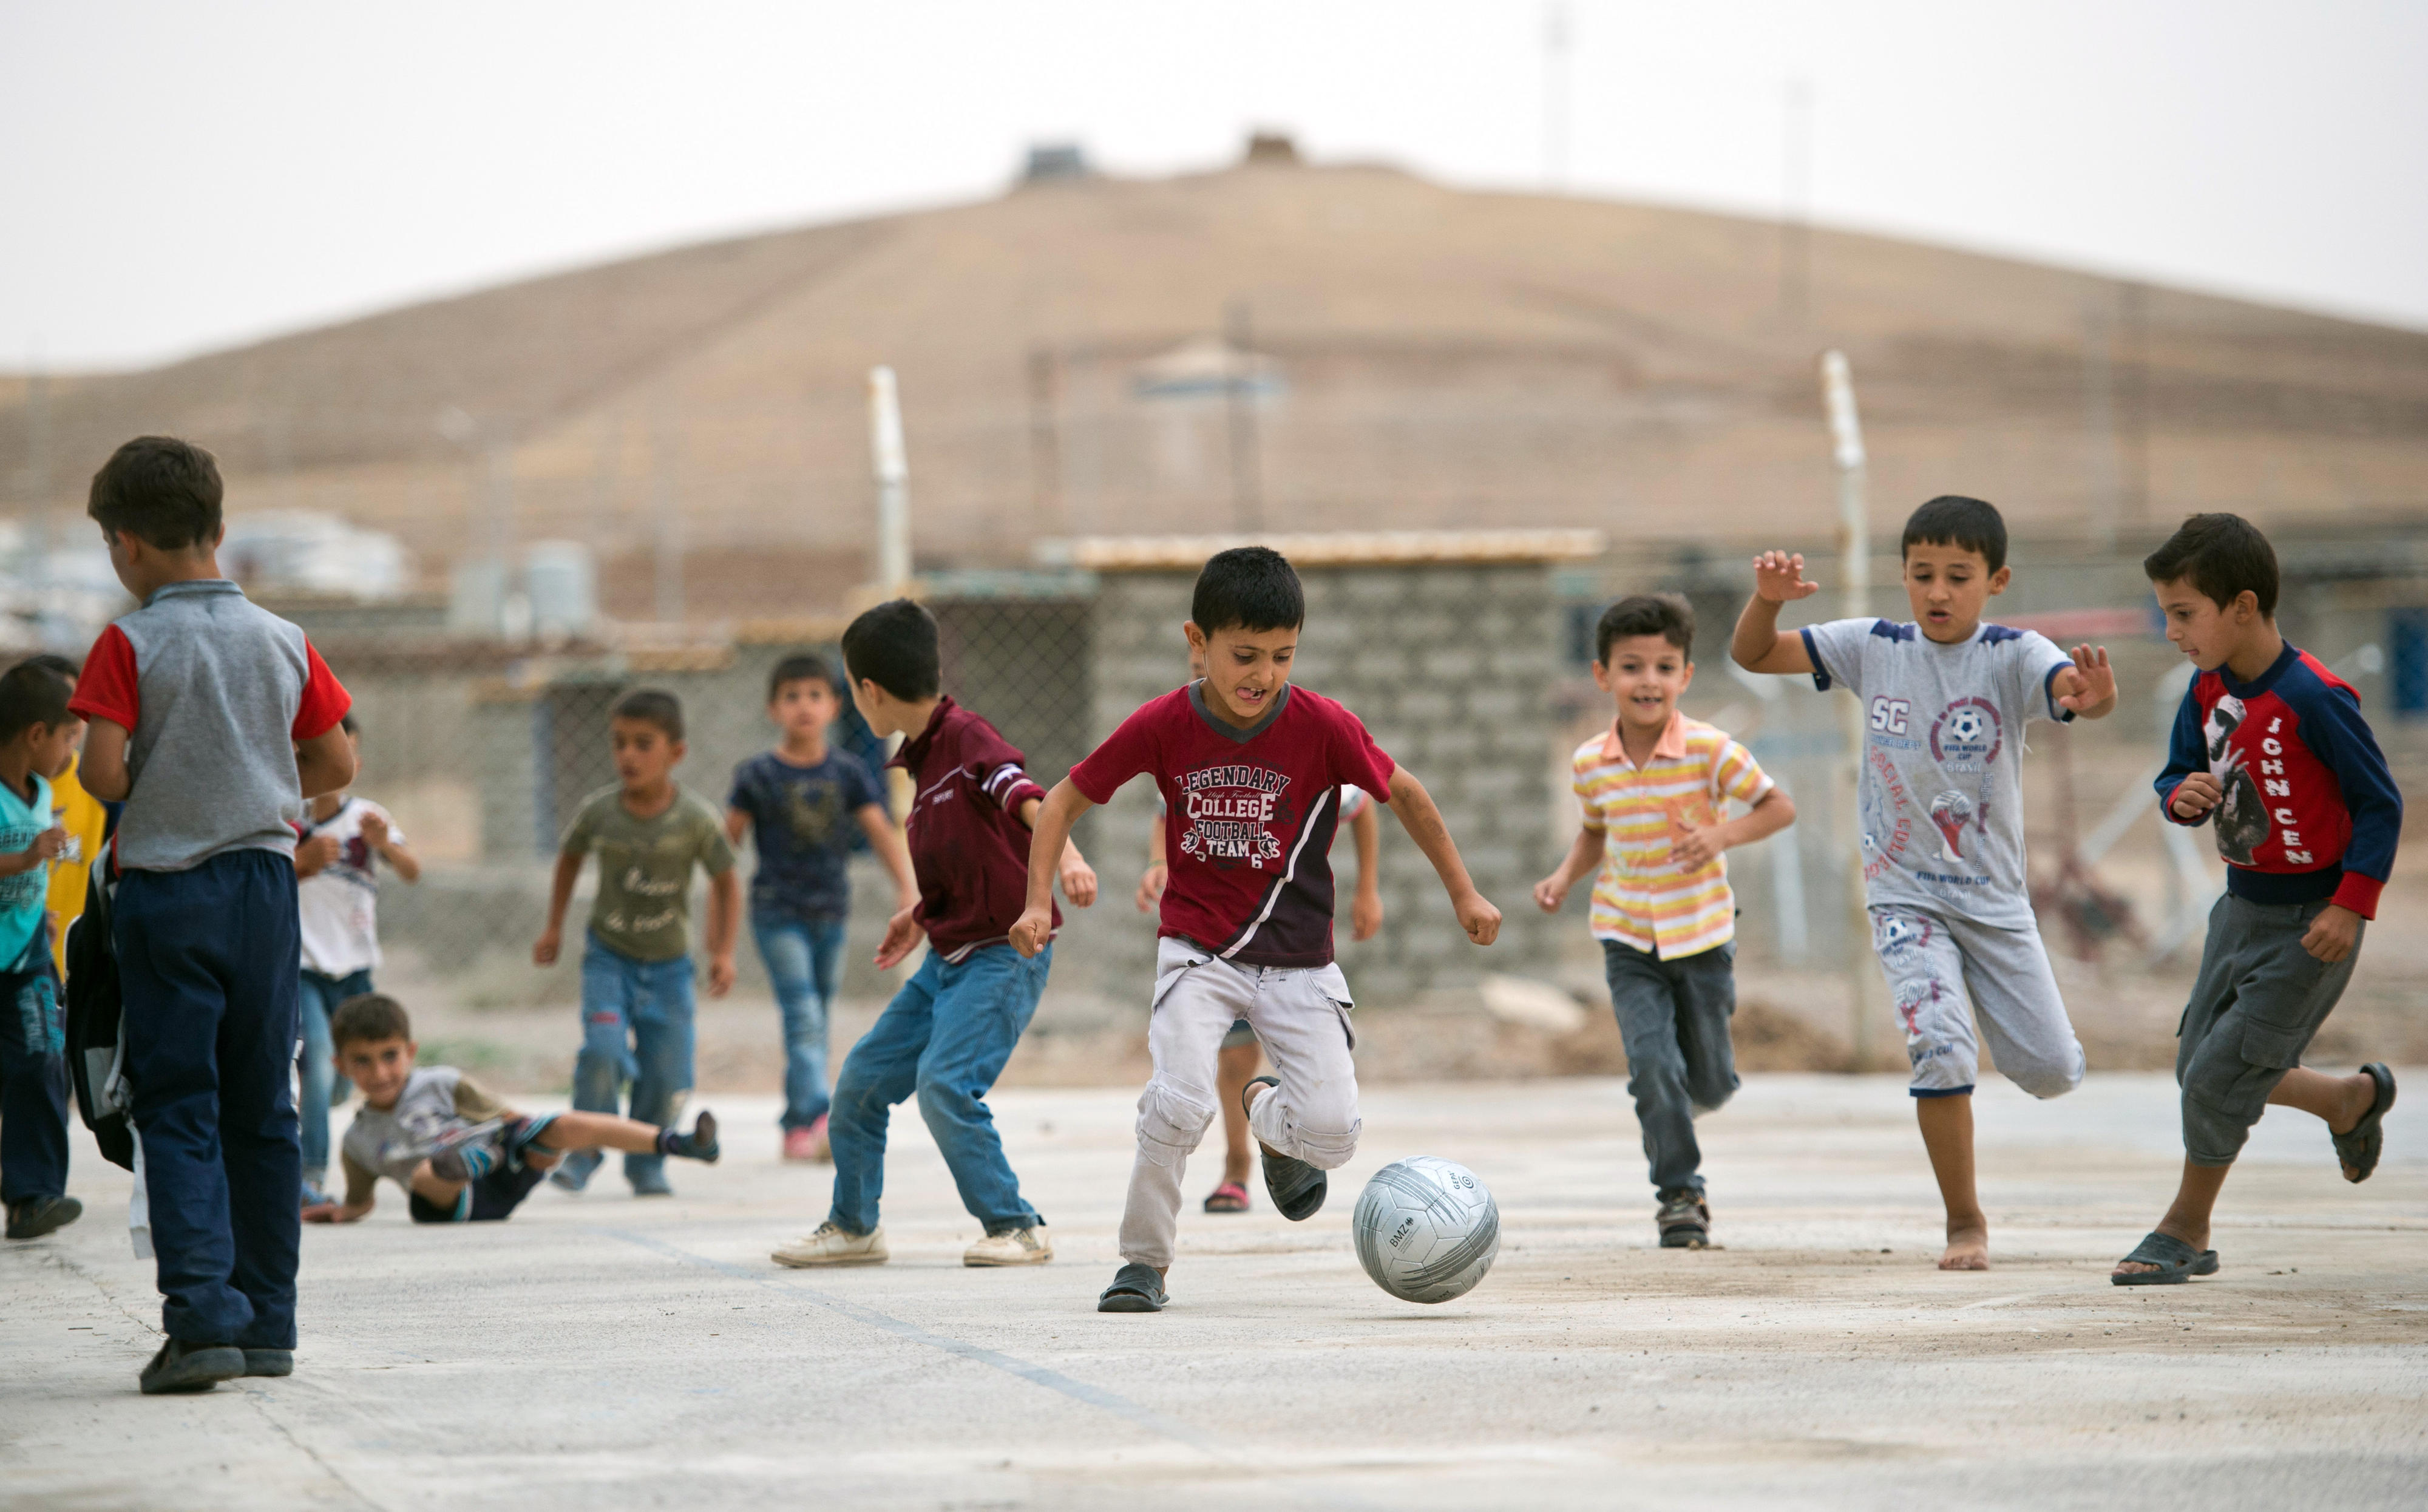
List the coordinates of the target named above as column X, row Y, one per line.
column 1936, row 964
column 1302, row 1016
column 2258, row 999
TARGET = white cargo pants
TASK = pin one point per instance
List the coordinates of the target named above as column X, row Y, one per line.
column 1302, row 1016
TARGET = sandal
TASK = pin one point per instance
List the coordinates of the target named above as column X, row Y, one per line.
column 1297, row 1187
column 2358, row 1149
column 2178, row 1263
column 1136, row 1289
column 1230, row 1197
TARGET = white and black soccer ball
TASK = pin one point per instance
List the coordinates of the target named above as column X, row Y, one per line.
column 1426, row 1229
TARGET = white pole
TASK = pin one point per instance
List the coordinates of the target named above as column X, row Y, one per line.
column 893, row 470
column 1855, row 569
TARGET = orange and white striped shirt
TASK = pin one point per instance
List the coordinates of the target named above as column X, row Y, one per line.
column 1641, row 897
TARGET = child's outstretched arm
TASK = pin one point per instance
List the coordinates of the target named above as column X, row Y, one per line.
column 1366, row 909
column 559, row 898
column 1049, row 826
column 886, row 842
column 1423, row 822
column 361, row 1197
column 1582, row 859
column 2089, row 686
column 1759, row 645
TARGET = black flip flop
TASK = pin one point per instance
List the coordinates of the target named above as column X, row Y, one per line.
column 1136, row 1289
column 2178, row 1263
column 2358, row 1149
column 1297, row 1187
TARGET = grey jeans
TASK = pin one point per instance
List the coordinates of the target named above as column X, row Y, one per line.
column 2258, row 999
column 1674, row 1016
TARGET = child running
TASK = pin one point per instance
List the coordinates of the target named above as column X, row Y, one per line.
column 2270, row 749
column 461, row 1156
column 1947, row 697
column 798, row 802
column 947, row 1033
column 37, row 739
column 637, row 969
column 1656, row 787
column 1251, row 770
column 344, row 838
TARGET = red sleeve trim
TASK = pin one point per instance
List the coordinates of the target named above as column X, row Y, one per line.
column 107, row 689
column 2359, row 893
column 325, row 699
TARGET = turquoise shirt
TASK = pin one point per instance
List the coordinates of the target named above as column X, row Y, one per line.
column 22, row 897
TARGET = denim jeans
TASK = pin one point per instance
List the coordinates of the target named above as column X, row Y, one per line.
column 33, row 1078
column 1674, row 1018
column 945, row 1036
column 317, row 999
column 636, row 1026
column 804, row 959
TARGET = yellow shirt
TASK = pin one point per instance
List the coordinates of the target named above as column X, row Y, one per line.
column 1641, row 897
column 83, row 818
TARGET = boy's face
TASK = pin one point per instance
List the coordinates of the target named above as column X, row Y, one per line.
column 1646, row 676
column 379, row 1067
column 1245, row 669
column 55, row 745
column 1947, row 586
column 803, row 707
column 644, row 755
column 2202, row 629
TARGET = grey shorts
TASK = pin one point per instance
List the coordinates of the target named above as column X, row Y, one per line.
column 2259, row 998
column 1240, row 1034
column 1946, row 972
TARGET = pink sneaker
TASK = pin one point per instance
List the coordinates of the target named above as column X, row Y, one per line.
column 807, row 1143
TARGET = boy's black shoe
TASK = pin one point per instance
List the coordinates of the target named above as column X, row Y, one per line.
column 1297, row 1187
column 183, row 1367
column 268, row 1362
column 1684, row 1219
column 699, row 1144
column 37, row 1216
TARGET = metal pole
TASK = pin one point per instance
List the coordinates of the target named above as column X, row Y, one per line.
column 1855, row 569
column 893, row 468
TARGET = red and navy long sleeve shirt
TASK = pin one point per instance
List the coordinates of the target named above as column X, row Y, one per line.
column 2309, row 809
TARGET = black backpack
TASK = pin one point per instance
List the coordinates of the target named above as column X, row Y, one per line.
column 95, row 1018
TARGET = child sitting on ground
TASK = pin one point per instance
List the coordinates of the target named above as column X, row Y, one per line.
column 1655, row 788
column 461, row 1155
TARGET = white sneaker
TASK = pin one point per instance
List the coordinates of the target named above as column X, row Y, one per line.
column 831, row 1245
column 1018, row 1246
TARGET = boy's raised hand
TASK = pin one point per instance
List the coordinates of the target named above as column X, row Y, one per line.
column 902, row 936
column 1780, row 577
column 2094, row 681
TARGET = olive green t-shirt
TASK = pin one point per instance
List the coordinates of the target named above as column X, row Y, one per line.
column 643, row 905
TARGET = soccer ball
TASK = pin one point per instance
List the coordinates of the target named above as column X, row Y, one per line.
column 1426, row 1229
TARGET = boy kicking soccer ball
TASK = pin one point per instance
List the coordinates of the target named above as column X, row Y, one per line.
column 461, row 1155
column 1250, row 771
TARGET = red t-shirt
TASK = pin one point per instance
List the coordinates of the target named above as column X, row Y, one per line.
column 968, row 847
column 1249, row 816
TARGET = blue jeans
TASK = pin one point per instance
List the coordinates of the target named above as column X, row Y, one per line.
column 317, row 999
column 209, row 959
column 636, row 1026
column 1674, row 1017
column 945, row 1036
column 33, row 1078
column 804, row 957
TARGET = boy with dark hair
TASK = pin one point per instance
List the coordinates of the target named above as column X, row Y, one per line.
column 2272, row 746
column 799, row 803
column 650, row 831
column 37, row 739
column 212, row 720
column 947, row 1033
column 1655, row 788
column 1939, row 804
column 462, row 1156
column 1250, row 771
column 84, row 817
column 341, row 840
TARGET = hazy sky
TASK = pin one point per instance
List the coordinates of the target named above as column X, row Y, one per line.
column 179, row 175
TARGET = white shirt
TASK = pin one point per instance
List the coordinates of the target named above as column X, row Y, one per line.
column 339, row 904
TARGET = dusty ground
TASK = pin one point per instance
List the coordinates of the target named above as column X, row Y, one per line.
column 602, row 1351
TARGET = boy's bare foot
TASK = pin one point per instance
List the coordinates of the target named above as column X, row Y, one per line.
column 1968, row 1249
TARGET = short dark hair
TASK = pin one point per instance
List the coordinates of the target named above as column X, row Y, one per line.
column 1248, row 587
column 369, row 1016
column 31, row 694
column 64, row 666
column 163, row 491
column 1952, row 519
column 894, row 646
column 802, row 669
column 654, row 706
column 1665, row 615
column 2222, row 555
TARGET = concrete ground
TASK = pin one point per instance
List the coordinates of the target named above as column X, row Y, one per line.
column 600, row 1350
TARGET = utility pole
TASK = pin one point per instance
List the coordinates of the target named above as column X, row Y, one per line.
column 1555, row 93
column 1239, row 387
column 1795, row 213
column 893, row 468
column 1869, row 994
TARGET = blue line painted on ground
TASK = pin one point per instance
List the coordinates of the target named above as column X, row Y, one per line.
column 1094, row 1396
